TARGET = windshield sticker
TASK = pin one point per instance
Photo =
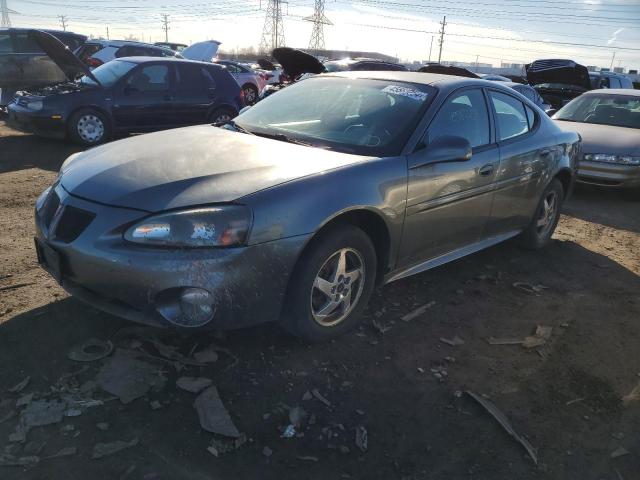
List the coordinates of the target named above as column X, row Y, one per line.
column 405, row 92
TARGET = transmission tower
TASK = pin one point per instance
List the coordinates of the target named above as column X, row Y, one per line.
column 273, row 31
column 6, row 21
column 319, row 21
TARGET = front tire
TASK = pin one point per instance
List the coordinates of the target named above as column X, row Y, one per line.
column 221, row 116
column 331, row 284
column 545, row 220
column 89, row 127
column 250, row 93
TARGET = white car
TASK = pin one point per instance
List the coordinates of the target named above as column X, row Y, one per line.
column 251, row 81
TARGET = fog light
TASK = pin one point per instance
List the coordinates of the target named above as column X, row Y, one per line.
column 196, row 306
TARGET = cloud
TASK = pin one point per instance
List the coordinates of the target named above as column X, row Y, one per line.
column 614, row 36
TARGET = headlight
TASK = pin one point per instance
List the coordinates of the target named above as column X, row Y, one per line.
column 224, row 226
column 42, row 198
column 35, row 105
column 617, row 159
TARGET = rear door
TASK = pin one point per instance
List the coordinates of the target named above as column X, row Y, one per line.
column 448, row 204
column 524, row 157
column 192, row 95
column 144, row 98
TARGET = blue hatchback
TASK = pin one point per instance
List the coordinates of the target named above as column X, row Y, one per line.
column 126, row 95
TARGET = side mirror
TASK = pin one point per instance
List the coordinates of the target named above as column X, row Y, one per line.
column 551, row 112
column 447, row 148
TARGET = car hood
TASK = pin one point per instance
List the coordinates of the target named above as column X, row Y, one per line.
column 296, row 62
column 202, row 51
column 64, row 58
column 598, row 138
column 191, row 166
column 565, row 72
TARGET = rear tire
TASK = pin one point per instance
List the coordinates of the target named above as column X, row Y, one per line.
column 89, row 127
column 250, row 94
column 331, row 284
column 221, row 115
column 545, row 220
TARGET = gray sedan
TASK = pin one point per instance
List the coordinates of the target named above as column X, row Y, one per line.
column 608, row 121
column 295, row 211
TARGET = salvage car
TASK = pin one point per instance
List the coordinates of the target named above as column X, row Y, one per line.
column 24, row 65
column 362, row 64
column 126, row 95
column 295, row 64
column 98, row 52
column 298, row 208
column 609, row 123
column 250, row 81
column 558, row 81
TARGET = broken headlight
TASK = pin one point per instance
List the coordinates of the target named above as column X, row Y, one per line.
column 224, row 226
column 617, row 159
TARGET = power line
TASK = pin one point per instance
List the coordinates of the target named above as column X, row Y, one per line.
column 165, row 26
column 6, row 21
column 63, row 22
column 273, row 30
column 441, row 32
column 319, row 21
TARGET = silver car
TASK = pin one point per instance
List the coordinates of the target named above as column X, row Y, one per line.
column 249, row 80
column 293, row 212
column 608, row 121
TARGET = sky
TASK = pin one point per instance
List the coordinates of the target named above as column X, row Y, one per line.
column 488, row 31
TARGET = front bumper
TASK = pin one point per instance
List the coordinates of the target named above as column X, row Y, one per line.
column 130, row 281
column 608, row 174
column 38, row 122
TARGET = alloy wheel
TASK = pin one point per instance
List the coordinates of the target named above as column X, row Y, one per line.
column 249, row 95
column 222, row 118
column 337, row 287
column 548, row 212
column 90, row 128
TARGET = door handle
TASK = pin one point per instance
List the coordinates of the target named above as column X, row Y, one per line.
column 486, row 170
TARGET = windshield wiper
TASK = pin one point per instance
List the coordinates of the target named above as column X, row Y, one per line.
column 283, row 138
column 235, row 126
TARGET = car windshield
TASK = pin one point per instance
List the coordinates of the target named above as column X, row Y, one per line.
column 616, row 110
column 360, row 116
column 109, row 73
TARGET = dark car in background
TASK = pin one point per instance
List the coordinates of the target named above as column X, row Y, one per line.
column 126, row 95
column 98, row 52
column 558, row 81
column 297, row 209
column 362, row 64
column 23, row 64
column 608, row 121
column 529, row 92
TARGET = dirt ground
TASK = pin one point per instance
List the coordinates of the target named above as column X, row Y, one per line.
column 564, row 397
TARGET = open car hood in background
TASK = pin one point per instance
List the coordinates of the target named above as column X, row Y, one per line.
column 296, row 62
column 447, row 70
column 265, row 64
column 566, row 72
column 64, row 58
column 202, row 51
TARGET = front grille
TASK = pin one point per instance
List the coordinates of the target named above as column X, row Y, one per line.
column 49, row 208
column 72, row 223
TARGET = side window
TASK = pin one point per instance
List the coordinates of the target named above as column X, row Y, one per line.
column 5, row 43
column 152, row 78
column 464, row 115
column 209, row 78
column 511, row 116
column 152, row 52
column 531, row 117
column 614, row 83
column 189, row 77
column 25, row 44
column 231, row 67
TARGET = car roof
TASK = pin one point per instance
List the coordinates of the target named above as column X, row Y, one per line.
column 614, row 91
column 122, row 43
column 164, row 59
column 448, row 81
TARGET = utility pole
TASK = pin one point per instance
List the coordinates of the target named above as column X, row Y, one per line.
column 430, row 48
column 319, row 21
column 273, row 30
column 612, row 59
column 477, row 63
column 107, row 33
column 6, row 21
column 441, row 41
column 165, row 26
column 63, row 21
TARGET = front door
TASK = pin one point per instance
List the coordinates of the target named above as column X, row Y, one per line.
column 449, row 203
column 144, row 100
